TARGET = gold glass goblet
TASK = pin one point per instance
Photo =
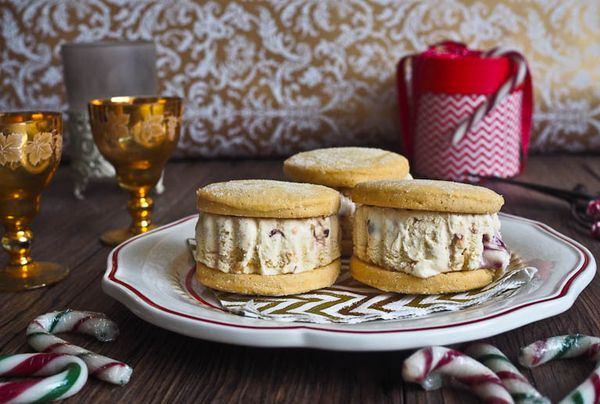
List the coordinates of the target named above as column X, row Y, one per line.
column 137, row 136
column 30, row 147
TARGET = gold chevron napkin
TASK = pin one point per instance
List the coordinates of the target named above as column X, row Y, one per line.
column 349, row 301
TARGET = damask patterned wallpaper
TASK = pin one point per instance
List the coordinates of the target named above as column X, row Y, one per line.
column 272, row 77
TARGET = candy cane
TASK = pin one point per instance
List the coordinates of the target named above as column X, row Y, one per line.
column 565, row 346
column 39, row 336
column 568, row 346
column 518, row 386
column 72, row 377
column 493, row 99
column 586, row 392
column 432, row 366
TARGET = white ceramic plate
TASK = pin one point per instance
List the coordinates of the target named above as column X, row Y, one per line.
column 152, row 275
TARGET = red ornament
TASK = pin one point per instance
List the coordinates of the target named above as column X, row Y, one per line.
column 593, row 209
column 596, row 230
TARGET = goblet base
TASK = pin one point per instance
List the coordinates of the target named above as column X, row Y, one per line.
column 14, row 278
column 117, row 236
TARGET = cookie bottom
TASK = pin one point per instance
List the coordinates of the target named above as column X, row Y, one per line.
column 269, row 285
column 400, row 282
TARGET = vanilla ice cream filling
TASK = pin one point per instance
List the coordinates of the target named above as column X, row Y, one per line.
column 266, row 246
column 346, row 215
column 347, row 209
column 425, row 244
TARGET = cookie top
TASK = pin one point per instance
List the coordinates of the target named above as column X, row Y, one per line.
column 428, row 195
column 344, row 167
column 267, row 198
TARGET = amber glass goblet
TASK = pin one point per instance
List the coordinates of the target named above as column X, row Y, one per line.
column 30, row 147
column 137, row 136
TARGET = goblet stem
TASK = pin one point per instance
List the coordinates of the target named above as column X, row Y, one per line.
column 140, row 208
column 16, row 241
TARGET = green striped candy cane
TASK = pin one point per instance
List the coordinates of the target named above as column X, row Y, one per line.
column 58, row 376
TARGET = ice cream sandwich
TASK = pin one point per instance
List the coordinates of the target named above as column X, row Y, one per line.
column 427, row 237
column 342, row 168
column 264, row 237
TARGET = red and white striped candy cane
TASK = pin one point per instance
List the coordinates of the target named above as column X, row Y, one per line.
column 433, row 366
column 65, row 376
column 40, row 337
column 568, row 346
column 586, row 392
column 519, row 387
column 493, row 100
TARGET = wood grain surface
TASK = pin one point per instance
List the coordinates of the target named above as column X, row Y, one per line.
column 172, row 368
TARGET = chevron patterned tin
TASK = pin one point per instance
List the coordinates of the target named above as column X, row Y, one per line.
column 492, row 147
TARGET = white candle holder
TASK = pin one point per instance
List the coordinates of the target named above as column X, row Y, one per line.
column 102, row 70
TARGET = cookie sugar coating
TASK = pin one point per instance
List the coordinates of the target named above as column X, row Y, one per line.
column 428, row 195
column 344, row 167
column 268, row 198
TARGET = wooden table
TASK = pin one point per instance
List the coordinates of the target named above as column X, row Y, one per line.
column 173, row 368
